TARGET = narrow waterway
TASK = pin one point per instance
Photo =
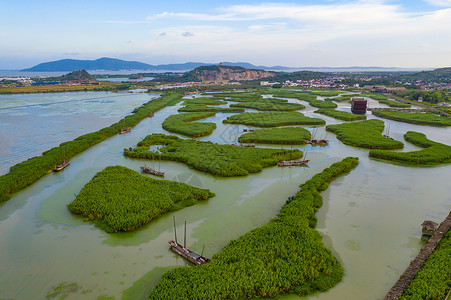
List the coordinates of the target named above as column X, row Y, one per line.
column 370, row 218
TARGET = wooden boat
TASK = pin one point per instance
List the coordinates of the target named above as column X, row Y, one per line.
column 185, row 252
column 61, row 166
column 149, row 170
column 151, row 115
column 125, row 130
column 241, row 145
column 315, row 142
column 188, row 254
column 287, row 163
column 248, row 129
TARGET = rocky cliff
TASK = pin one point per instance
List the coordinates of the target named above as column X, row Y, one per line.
column 222, row 73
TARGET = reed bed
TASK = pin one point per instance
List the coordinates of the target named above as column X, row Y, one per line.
column 216, row 159
column 120, row 199
column 285, row 255
column 365, row 134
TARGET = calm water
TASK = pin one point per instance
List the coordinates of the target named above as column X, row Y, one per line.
column 370, row 218
column 35, row 123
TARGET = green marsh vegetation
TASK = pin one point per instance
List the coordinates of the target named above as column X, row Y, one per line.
column 393, row 103
column 433, row 280
column 183, row 124
column 419, row 118
column 286, row 135
column 201, row 104
column 273, row 119
column 306, row 96
column 120, row 199
column 432, row 154
column 221, row 160
column 341, row 115
column 269, row 104
column 284, row 255
column 365, row 134
column 375, row 96
column 25, row 173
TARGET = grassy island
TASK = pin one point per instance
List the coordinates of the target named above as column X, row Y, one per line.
column 341, row 115
column 365, row 134
column 393, row 103
column 181, row 123
column 434, row 153
column 222, row 160
column 269, row 104
column 206, row 108
column 286, row 135
column 120, row 199
column 284, row 255
column 433, row 280
column 419, row 118
column 273, row 119
column 25, row 173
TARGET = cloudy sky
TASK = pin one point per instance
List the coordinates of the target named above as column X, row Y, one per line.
column 410, row 34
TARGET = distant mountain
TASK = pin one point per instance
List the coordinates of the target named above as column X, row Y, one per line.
column 104, row 63
column 112, row 64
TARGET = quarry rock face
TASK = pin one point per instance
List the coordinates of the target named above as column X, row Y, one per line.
column 232, row 74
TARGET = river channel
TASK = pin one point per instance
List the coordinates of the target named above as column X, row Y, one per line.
column 370, row 218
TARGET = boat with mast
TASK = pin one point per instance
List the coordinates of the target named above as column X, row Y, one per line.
column 387, row 132
column 185, row 252
column 288, row 163
column 63, row 165
column 316, row 142
column 152, row 171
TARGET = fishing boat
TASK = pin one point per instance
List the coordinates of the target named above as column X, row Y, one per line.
column 185, row 252
column 387, row 132
column 248, row 129
column 125, row 130
column 315, row 142
column 149, row 170
column 241, row 145
column 61, row 166
column 287, row 163
column 151, row 115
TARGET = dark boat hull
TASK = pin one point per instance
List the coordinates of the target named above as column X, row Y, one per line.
column 188, row 254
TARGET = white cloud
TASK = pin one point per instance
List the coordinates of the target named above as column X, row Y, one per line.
column 443, row 3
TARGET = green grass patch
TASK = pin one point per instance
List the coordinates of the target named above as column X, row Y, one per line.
column 204, row 101
column 396, row 104
column 269, row 104
column 273, row 119
column 25, row 173
column 433, row 280
column 365, row 134
column 325, row 93
column 286, row 135
column 183, row 124
column 375, row 96
column 341, row 115
column 285, row 255
column 434, row 153
column 222, row 160
column 120, row 199
column 206, row 108
column 419, row 118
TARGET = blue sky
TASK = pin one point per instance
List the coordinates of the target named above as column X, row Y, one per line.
column 408, row 34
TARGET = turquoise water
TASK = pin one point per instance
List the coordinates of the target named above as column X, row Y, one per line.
column 370, row 218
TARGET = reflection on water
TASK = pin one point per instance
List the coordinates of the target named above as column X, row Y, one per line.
column 370, row 218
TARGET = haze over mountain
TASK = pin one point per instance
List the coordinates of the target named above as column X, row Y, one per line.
column 112, row 64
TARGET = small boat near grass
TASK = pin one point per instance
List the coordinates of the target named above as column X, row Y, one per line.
column 249, row 129
column 315, row 142
column 188, row 254
column 288, row 163
column 185, row 252
column 61, row 166
column 149, row 170
column 243, row 145
column 125, row 130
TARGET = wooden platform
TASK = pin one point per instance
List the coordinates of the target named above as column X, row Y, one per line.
column 421, row 258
